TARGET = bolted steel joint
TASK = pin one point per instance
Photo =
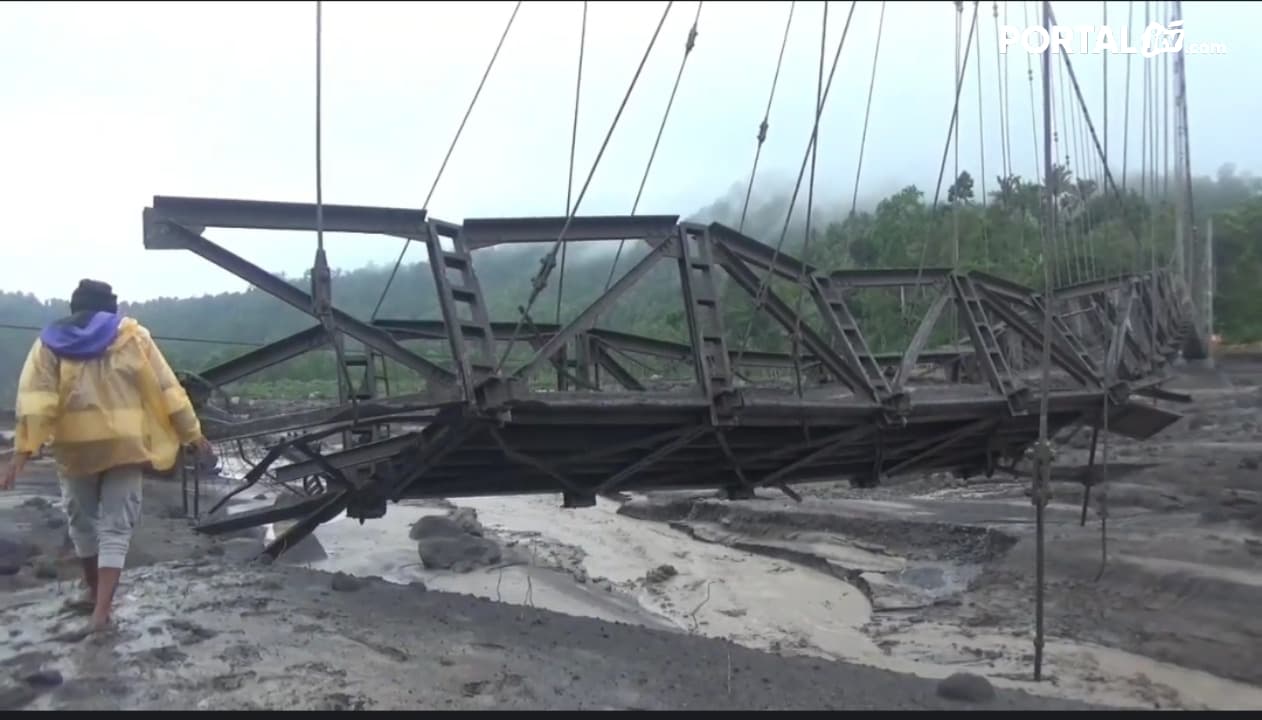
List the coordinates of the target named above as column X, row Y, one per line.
column 1041, row 455
column 321, row 284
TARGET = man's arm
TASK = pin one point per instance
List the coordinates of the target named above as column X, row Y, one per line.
column 38, row 400
column 175, row 400
column 38, row 404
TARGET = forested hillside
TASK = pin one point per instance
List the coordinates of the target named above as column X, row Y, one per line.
column 998, row 233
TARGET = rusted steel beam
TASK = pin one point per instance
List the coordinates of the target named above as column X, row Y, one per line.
column 490, row 232
column 263, row 215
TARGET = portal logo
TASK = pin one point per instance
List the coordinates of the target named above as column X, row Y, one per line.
column 1156, row 39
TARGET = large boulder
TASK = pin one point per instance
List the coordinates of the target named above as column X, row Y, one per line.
column 460, row 553
column 436, row 526
column 453, row 541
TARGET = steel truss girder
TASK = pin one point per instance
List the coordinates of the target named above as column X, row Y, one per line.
column 638, row 438
column 161, row 232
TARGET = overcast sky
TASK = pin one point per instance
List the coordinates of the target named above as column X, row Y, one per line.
column 104, row 105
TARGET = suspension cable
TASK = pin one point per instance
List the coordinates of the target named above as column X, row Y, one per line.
column 319, row 128
column 867, row 112
column 1132, row 227
column 1065, row 136
column 1000, row 80
column 540, row 281
column 1165, row 114
column 569, row 180
column 951, row 132
column 955, row 134
column 810, row 203
column 1029, row 71
column 1104, row 100
column 321, row 292
column 1043, row 450
column 797, row 187
column 763, row 126
column 450, row 148
column 981, row 147
column 1087, row 163
column 1126, row 107
column 688, row 46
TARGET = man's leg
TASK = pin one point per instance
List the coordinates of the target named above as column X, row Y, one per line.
column 120, row 511
column 80, row 501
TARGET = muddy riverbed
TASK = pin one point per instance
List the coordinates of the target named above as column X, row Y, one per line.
column 642, row 603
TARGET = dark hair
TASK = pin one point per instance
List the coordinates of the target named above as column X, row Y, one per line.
column 93, row 296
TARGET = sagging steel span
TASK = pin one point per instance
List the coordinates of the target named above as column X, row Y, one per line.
column 481, row 430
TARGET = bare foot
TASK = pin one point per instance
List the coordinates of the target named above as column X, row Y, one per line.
column 100, row 623
column 82, row 605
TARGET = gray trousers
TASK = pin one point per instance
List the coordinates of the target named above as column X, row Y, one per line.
column 102, row 511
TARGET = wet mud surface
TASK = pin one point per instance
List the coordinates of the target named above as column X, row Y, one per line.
column 201, row 634
column 849, row 599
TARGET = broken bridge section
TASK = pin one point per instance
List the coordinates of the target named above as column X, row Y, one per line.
column 581, row 411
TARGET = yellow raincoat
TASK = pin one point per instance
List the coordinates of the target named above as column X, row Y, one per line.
column 125, row 407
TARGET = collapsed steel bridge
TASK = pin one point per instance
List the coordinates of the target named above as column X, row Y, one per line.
column 476, row 429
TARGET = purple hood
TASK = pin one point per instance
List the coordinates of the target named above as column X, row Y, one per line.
column 82, row 336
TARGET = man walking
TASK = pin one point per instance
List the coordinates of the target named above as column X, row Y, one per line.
column 97, row 387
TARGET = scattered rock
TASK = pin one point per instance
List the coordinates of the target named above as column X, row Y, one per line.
column 46, row 569
column 44, row 679
column 167, row 655
column 172, row 512
column 190, row 633
column 461, row 553
column 228, row 683
column 467, row 519
column 436, row 526
column 260, row 496
column 346, row 583
column 473, row 689
column 341, row 702
column 307, row 550
column 1248, row 463
column 660, row 574
column 55, row 522
column 13, row 553
column 418, row 586
column 966, row 687
column 37, row 502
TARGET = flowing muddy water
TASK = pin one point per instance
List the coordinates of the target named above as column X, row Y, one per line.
column 598, row 563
